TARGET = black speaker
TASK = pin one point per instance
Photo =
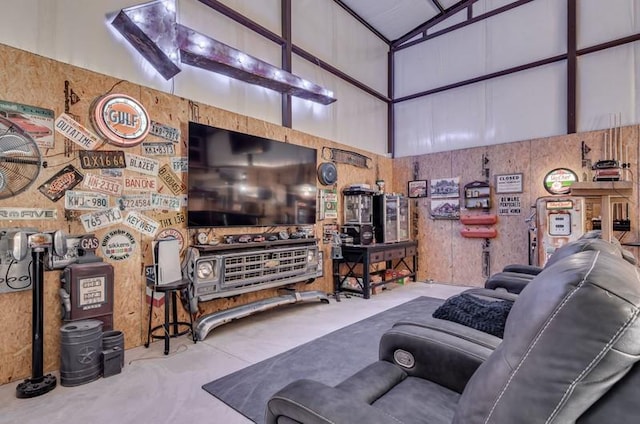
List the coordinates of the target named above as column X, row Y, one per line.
column 327, row 173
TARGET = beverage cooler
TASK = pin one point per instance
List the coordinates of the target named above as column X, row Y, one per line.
column 391, row 218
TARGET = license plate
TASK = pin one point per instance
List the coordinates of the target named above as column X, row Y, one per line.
column 85, row 200
column 96, row 220
column 165, row 202
column 103, row 185
column 141, row 223
column 159, row 149
column 138, row 202
column 171, row 180
column 165, row 131
column 142, row 164
column 102, row 159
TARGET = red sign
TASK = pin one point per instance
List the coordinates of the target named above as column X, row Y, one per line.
column 120, row 119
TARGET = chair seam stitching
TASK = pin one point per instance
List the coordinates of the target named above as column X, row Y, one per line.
column 537, row 338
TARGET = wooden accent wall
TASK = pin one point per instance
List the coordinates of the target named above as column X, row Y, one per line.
column 447, row 257
column 33, row 80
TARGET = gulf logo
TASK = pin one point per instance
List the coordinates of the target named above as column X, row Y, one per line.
column 120, row 119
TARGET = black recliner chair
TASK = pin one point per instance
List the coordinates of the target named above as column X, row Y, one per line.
column 570, row 354
column 514, row 278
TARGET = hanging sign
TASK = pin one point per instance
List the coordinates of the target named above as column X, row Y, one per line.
column 139, row 202
column 27, row 213
column 102, row 159
column 96, row 220
column 63, row 180
column 559, row 180
column 165, row 131
column 509, row 183
column 165, row 202
column 159, row 149
column 141, row 183
column 171, row 180
column 85, row 200
column 509, row 205
column 120, row 119
column 118, row 245
column 100, row 184
column 142, row 164
column 74, row 131
column 141, row 223
column 180, row 164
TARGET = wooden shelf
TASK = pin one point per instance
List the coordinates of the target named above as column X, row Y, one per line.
column 602, row 188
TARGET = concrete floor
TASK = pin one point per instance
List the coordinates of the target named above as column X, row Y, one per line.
column 154, row 388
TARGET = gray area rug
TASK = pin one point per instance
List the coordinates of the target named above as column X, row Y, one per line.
column 328, row 359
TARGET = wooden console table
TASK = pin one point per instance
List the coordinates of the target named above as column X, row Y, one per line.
column 368, row 255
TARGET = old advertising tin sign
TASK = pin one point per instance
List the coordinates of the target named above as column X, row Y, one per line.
column 118, row 245
column 65, row 179
column 120, row 119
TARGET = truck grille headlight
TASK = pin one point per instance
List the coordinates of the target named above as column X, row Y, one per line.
column 205, row 270
column 311, row 257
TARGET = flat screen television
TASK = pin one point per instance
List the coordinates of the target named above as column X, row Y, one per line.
column 237, row 179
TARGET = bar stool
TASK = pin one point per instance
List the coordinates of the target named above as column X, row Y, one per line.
column 168, row 280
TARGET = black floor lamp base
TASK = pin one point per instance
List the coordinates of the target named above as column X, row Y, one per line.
column 32, row 387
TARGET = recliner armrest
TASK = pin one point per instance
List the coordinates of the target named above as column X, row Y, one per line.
column 440, row 357
column 311, row 402
column 523, row 269
column 513, row 282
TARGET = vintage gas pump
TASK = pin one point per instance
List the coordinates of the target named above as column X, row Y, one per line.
column 560, row 220
column 87, row 286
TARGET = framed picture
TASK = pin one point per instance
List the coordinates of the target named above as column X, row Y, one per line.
column 445, row 187
column 417, row 188
column 446, row 208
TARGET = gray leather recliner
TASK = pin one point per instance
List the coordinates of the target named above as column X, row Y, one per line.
column 569, row 354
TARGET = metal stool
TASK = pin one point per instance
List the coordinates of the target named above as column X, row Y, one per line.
column 169, row 281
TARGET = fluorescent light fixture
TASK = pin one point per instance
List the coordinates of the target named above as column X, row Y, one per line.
column 152, row 30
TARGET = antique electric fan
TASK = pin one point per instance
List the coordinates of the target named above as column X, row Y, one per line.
column 20, row 159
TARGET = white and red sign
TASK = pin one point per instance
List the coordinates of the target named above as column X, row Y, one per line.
column 120, row 119
column 141, row 184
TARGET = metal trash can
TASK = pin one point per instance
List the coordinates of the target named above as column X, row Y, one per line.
column 80, row 352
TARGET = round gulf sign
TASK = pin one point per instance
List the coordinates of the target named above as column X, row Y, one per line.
column 120, row 119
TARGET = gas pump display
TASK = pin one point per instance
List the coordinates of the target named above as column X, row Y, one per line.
column 560, row 220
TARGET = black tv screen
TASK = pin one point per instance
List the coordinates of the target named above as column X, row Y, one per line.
column 237, row 179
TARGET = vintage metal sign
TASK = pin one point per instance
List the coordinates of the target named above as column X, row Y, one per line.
column 27, row 213
column 559, row 180
column 138, row 202
column 141, row 183
column 101, row 219
column 74, row 131
column 104, row 185
column 180, row 164
column 165, row 202
column 171, row 219
column 142, row 164
column 141, row 223
column 65, row 179
column 159, row 149
column 118, row 245
column 35, row 121
column 509, row 205
column 102, row 159
column 85, row 200
column 120, row 119
column 165, row 131
column 171, row 180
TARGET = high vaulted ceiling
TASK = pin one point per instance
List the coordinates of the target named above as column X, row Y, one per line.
column 400, row 20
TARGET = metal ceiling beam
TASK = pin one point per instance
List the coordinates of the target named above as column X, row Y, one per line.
column 572, row 65
column 366, row 24
column 285, row 21
column 461, row 5
column 437, row 4
column 469, row 21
